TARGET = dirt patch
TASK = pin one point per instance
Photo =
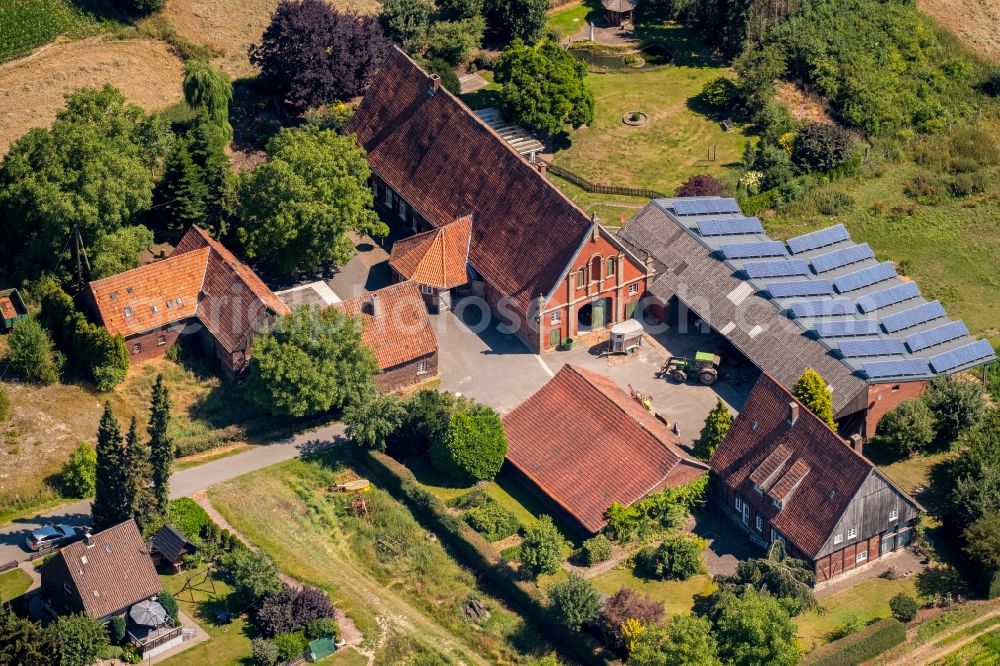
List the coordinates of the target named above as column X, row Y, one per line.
column 975, row 22
column 32, row 89
column 801, row 104
column 231, row 26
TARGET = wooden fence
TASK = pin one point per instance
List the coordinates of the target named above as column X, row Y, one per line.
column 585, row 184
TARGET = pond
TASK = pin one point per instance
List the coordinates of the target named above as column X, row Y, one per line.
column 652, row 55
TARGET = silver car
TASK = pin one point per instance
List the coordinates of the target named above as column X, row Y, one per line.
column 53, row 535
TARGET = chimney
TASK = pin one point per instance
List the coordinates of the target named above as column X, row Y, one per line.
column 793, row 412
column 649, row 265
column 376, row 306
column 595, row 229
column 435, row 84
column 542, row 167
column 857, row 444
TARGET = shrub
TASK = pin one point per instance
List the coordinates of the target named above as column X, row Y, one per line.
column 596, row 550
column 80, row 639
column 253, row 574
column 964, row 184
column 908, row 428
column 701, row 185
column 475, row 497
column 263, row 652
column 957, row 405
column 719, row 93
column 834, row 203
column 31, row 353
column 116, row 629
column 991, row 83
column 903, row 607
column 453, row 42
column 812, row 391
column 185, row 515
column 426, row 419
column 492, row 520
column 575, row 602
column 821, row 147
column 79, row 474
column 169, row 604
column 860, row 646
column 541, row 548
column 472, row 447
column 290, row 645
column 626, row 604
column 677, row 558
column 716, row 427
column 322, row 627
column 4, row 405
column 656, row 513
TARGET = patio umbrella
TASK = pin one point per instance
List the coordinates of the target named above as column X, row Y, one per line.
column 148, row 613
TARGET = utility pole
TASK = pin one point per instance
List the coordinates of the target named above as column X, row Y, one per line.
column 81, row 260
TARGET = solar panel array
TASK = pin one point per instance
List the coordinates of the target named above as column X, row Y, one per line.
column 705, row 206
column 823, row 307
column 886, row 297
column 966, row 355
column 907, row 367
column 913, row 317
column 842, row 257
column 865, row 277
column 818, row 239
column 737, row 226
column 753, row 250
column 770, row 269
column 845, row 328
column 936, row 336
column 876, row 347
column 800, row 288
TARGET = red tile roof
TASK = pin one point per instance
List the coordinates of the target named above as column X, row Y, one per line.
column 437, row 257
column 586, row 444
column 200, row 279
column 110, row 572
column 402, row 333
column 806, row 464
column 446, row 163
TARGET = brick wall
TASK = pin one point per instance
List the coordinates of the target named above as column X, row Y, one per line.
column 154, row 344
column 408, row 374
column 846, row 559
column 883, row 398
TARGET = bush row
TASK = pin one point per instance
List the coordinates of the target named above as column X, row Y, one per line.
column 859, row 647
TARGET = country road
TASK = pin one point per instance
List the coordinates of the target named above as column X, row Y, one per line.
column 182, row 484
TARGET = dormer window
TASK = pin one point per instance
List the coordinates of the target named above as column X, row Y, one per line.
column 170, row 304
column 127, row 311
column 776, row 504
column 179, row 301
column 113, row 295
column 129, row 290
column 757, row 489
column 154, row 308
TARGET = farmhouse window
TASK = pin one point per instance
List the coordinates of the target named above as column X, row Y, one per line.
column 760, row 524
column 161, row 340
column 838, row 538
column 609, row 270
column 421, row 367
column 136, row 348
column 581, row 279
column 852, row 533
column 776, row 537
column 893, row 515
column 557, row 316
column 862, row 556
column 633, row 288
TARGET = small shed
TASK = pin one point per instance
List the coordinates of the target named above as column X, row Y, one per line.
column 618, row 11
column 12, row 308
column 321, row 648
column 168, row 548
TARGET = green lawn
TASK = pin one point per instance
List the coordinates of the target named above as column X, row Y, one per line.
column 677, row 596
column 228, row 643
column 14, row 583
column 28, row 24
column 984, row 651
column 566, row 21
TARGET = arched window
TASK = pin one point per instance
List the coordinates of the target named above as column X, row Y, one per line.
column 581, row 279
column 595, row 269
column 611, row 267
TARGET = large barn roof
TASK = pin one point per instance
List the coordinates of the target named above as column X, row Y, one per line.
column 818, row 300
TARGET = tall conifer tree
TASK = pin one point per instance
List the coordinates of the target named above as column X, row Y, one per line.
column 135, row 465
column 161, row 446
column 812, row 391
column 110, row 507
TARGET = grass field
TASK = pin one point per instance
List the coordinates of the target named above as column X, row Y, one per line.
column 27, row 24
column 13, row 583
column 984, row 651
column 567, row 20
column 229, row 643
column 677, row 596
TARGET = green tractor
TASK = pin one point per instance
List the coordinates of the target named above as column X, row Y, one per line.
column 705, row 365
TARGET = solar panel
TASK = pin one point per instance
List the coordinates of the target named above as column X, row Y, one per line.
column 736, row 226
column 912, row 317
column 845, row 328
column 800, row 288
column 842, row 257
column 823, row 307
column 753, row 250
column 964, row 356
column 865, row 277
column 705, row 206
column 887, row 297
column 936, row 336
column 818, row 239
column 876, row 347
column 770, row 269
column 910, row 367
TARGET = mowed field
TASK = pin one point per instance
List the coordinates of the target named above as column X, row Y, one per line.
column 975, row 22
column 33, row 88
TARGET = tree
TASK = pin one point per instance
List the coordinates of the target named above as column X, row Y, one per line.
column 372, row 421
column 811, row 390
column 676, row 558
column 447, row 75
column 23, row 642
column 516, row 19
column 753, row 629
column 31, row 353
column 118, row 251
column 787, row 579
column 324, row 627
column 139, row 6
column 908, row 428
column 982, row 542
column 719, row 93
column 183, row 189
column 78, row 474
column 93, row 169
column 110, row 501
column 575, row 602
column 311, row 54
column 903, row 607
column 406, row 21
column 135, row 464
column 821, row 147
column 472, row 447
column 544, row 87
column 297, row 207
column 79, row 639
column 971, row 483
column 456, row 10
column 597, row 549
column 541, row 547
column 427, row 415
column 161, row 446
column 957, row 405
column 208, row 87
column 117, row 630
column 627, row 604
column 169, row 604
column 717, row 425
column 263, row 652
column 310, row 362
column 701, row 185
column 454, row 41
column 685, row 640
column 253, row 574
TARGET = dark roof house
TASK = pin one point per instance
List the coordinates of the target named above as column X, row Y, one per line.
column 584, row 444
column 169, row 546
column 101, row 576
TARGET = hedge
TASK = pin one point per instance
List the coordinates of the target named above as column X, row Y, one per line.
column 187, row 516
column 477, row 553
column 860, row 646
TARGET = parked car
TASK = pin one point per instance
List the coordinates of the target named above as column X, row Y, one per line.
column 53, row 535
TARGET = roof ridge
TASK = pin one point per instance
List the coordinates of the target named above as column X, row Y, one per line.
column 144, row 267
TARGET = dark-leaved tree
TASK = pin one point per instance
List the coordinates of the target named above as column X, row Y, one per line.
column 139, row 499
column 312, row 54
column 701, row 185
column 516, row 19
column 161, row 445
column 110, row 502
column 821, row 147
column 716, row 427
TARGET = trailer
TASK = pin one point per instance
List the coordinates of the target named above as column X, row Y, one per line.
column 12, row 308
column 625, row 337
